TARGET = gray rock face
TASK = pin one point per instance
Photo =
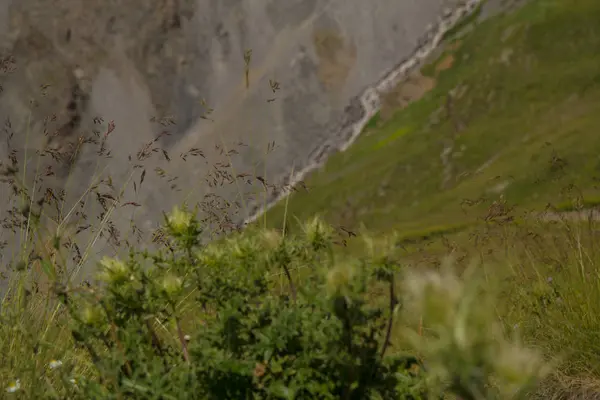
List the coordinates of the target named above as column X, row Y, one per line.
column 138, row 61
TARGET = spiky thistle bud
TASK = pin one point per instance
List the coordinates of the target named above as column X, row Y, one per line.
column 179, row 220
column 114, row 270
column 171, row 284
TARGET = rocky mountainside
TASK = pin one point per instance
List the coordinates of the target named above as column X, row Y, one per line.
column 273, row 71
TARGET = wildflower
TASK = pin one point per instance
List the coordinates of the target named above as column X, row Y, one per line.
column 171, row 284
column 340, row 278
column 380, row 249
column 55, row 364
column 211, row 255
column 91, row 315
column 317, row 232
column 271, row 239
column 468, row 337
column 438, row 296
column 238, row 248
column 517, row 367
column 179, row 220
column 14, row 386
column 114, row 270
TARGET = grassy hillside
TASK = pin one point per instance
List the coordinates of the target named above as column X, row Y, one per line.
column 511, row 126
column 512, row 119
column 515, row 111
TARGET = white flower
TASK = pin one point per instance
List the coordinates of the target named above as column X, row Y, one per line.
column 14, row 386
column 187, row 338
column 55, row 364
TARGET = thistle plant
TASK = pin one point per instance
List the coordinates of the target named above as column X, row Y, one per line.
column 195, row 321
column 464, row 345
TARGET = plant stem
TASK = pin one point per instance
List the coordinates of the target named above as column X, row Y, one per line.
column 393, row 302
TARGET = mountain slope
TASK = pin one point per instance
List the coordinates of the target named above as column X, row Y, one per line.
column 133, row 61
column 514, row 113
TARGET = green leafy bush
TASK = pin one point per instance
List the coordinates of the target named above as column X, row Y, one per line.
column 215, row 322
column 318, row 337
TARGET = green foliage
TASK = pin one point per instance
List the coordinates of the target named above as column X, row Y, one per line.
column 516, row 114
column 210, row 322
column 468, row 348
column 317, row 338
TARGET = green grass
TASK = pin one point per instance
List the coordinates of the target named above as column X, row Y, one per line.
column 517, row 118
column 391, row 138
column 531, row 126
column 587, row 203
column 531, row 133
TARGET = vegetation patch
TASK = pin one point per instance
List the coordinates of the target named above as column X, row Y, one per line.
column 212, row 322
column 462, row 290
column 507, row 120
column 396, row 135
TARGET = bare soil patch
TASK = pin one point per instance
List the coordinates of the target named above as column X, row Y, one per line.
column 409, row 90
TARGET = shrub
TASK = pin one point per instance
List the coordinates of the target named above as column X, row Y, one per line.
column 317, row 338
column 212, row 322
